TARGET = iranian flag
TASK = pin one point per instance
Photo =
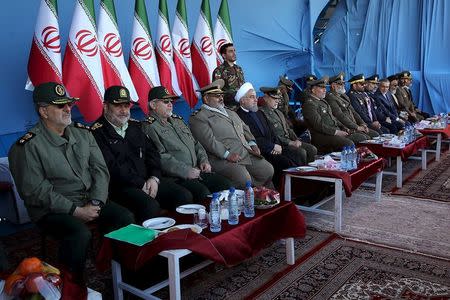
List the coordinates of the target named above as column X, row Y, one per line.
column 164, row 51
column 82, row 72
column 182, row 55
column 142, row 63
column 115, row 71
column 44, row 63
column 202, row 48
column 222, row 30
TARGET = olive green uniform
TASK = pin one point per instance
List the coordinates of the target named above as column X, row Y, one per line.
column 233, row 77
column 285, row 134
column 343, row 111
column 323, row 125
column 54, row 175
column 180, row 152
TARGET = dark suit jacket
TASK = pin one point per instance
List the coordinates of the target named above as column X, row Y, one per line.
column 387, row 102
column 358, row 100
column 265, row 138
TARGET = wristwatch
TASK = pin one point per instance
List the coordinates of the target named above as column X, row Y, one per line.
column 97, row 202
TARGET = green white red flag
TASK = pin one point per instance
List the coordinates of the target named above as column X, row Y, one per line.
column 182, row 55
column 222, row 29
column 204, row 59
column 164, row 51
column 142, row 64
column 82, row 72
column 115, row 71
column 44, row 63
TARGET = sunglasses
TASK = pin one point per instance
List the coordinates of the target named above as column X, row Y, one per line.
column 61, row 106
column 166, row 101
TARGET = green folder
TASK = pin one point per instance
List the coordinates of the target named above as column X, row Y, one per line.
column 133, row 234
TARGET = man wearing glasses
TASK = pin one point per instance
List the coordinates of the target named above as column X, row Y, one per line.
column 344, row 111
column 61, row 175
column 231, row 148
column 183, row 159
column 133, row 160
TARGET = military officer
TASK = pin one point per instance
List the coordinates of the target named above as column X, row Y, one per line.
column 230, row 72
column 231, row 148
column 133, row 160
column 363, row 105
column 61, row 175
column 304, row 152
column 328, row 134
column 183, row 159
column 343, row 110
column 404, row 96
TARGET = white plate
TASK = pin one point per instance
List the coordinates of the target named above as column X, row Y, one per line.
column 388, row 135
column 337, row 154
column 189, row 208
column 306, row 168
column 193, row 227
column 158, row 223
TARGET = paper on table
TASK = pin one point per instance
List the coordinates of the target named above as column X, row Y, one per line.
column 133, row 234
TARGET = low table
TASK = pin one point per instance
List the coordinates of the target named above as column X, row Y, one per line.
column 347, row 181
column 439, row 134
column 401, row 154
column 229, row 247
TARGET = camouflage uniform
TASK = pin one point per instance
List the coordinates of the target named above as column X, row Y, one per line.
column 233, row 77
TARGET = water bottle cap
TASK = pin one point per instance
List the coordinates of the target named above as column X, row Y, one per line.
column 232, row 189
column 215, row 195
column 248, row 183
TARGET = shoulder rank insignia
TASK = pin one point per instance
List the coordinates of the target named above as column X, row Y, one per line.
column 195, row 112
column 150, row 120
column 28, row 136
column 177, row 116
column 134, row 120
column 79, row 125
column 96, row 125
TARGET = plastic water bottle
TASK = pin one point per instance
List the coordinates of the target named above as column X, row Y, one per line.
column 249, row 200
column 344, row 159
column 353, row 155
column 214, row 211
column 233, row 211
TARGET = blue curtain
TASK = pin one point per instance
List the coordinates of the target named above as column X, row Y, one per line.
column 388, row 36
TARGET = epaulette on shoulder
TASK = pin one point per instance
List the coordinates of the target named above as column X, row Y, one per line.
column 25, row 138
column 177, row 116
column 79, row 125
column 195, row 112
column 134, row 121
column 96, row 125
column 150, row 120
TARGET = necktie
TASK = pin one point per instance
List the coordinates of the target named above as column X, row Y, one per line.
column 369, row 108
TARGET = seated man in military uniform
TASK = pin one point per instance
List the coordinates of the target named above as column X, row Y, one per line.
column 328, row 134
column 404, row 96
column 303, row 151
column 343, row 109
column 61, row 175
column 133, row 160
column 231, row 148
column 183, row 159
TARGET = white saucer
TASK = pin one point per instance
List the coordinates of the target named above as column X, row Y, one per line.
column 194, row 227
column 158, row 223
column 188, row 209
column 306, row 168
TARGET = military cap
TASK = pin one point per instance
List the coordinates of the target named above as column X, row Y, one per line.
column 117, row 94
column 322, row 82
column 273, row 92
column 404, row 74
column 310, row 77
column 373, row 79
column 393, row 77
column 213, row 88
column 357, row 79
column 160, row 92
column 285, row 81
column 51, row 93
column 339, row 78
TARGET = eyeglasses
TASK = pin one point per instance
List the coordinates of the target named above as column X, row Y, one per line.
column 61, row 106
column 165, row 101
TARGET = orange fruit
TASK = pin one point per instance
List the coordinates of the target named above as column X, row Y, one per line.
column 11, row 281
column 29, row 265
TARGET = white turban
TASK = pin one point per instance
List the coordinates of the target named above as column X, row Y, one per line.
column 243, row 90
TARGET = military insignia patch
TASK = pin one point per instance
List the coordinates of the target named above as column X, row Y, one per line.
column 166, row 91
column 59, row 90
column 134, row 120
column 96, row 125
column 79, row 125
column 177, row 116
column 122, row 93
column 150, row 120
column 195, row 112
column 28, row 136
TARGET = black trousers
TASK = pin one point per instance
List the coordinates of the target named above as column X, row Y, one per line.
column 199, row 188
column 74, row 236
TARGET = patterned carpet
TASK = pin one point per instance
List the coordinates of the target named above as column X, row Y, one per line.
column 434, row 183
column 350, row 270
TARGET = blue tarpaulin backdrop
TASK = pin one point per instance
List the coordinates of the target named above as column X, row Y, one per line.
column 272, row 38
